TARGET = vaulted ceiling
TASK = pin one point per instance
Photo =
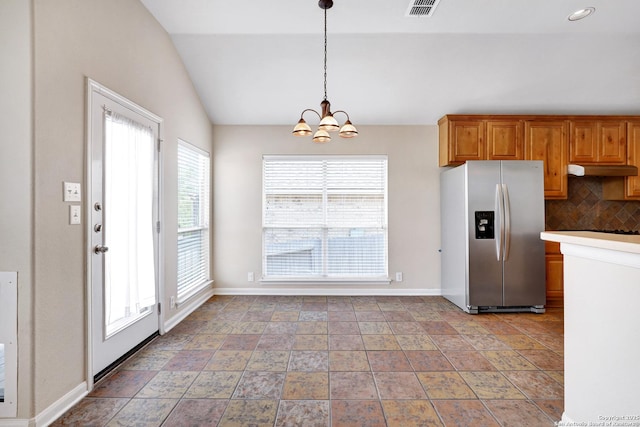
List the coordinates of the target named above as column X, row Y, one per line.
column 257, row 62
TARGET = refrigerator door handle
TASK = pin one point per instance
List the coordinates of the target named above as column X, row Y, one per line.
column 507, row 221
column 500, row 211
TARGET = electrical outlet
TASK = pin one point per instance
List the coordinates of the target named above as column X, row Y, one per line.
column 399, row 277
column 74, row 215
column 250, row 276
column 71, row 192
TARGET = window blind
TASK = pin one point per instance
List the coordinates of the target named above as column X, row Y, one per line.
column 325, row 217
column 193, row 219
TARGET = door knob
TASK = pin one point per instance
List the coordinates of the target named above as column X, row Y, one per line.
column 100, row 249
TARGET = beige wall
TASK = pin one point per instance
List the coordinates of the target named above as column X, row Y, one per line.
column 120, row 45
column 414, row 203
column 16, row 147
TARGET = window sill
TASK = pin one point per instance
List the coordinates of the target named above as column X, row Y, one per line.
column 326, row 281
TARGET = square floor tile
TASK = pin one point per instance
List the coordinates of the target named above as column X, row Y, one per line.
column 445, row 385
column 196, row 412
column 91, row 412
column 346, row 342
column 438, row 328
column 122, row 384
column 416, row 342
column 143, row 412
column 343, row 328
column 349, row 413
column 468, row 361
column 228, row 360
column 312, row 328
column 380, row 342
column 464, row 413
column 240, row 342
column 410, row 413
column 306, row 386
column 311, row 413
column 213, row 385
column 311, row 342
column 352, row 385
column 428, row 360
column 274, row 361
column 518, row 412
column 205, row 342
column 546, row 360
column 374, row 328
column 536, row 384
column 491, row 385
column 276, row 342
column 508, row 360
column 348, row 361
column 259, row 385
column 244, row 413
column 309, row 361
column 167, row 385
column 188, row 360
column 398, row 385
column 390, row 361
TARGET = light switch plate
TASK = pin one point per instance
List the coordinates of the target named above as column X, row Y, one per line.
column 71, row 192
column 74, row 215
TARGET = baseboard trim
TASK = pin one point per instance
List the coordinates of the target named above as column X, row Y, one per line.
column 332, row 291
column 13, row 422
column 187, row 308
column 62, row 405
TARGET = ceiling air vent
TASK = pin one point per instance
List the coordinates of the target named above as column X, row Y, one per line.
column 422, row 8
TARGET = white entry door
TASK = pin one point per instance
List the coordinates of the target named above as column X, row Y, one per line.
column 123, row 226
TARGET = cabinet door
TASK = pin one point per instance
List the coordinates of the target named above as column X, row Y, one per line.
column 633, row 158
column 554, row 279
column 467, row 140
column 583, row 142
column 547, row 141
column 593, row 141
column 612, row 142
column 505, row 140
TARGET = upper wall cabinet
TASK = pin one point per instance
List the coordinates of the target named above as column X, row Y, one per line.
column 547, row 141
column 465, row 138
column 627, row 188
column 601, row 141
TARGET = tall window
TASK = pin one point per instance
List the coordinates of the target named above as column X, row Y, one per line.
column 325, row 217
column 193, row 219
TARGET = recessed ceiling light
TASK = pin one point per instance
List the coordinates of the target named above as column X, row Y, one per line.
column 581, row 14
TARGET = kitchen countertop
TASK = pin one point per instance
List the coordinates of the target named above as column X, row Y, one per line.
column 617, row 242
column 601, row 294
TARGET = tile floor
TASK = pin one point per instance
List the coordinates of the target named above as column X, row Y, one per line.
column 338, row 361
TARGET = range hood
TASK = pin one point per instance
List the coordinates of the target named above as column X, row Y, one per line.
column 602, row 170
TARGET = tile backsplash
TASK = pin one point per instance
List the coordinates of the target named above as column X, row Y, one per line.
column 585, row 209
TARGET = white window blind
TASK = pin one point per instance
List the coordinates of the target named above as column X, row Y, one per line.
column 325, row 217
column 193, row 219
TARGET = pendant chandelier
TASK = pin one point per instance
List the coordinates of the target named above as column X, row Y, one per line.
column 327, row 122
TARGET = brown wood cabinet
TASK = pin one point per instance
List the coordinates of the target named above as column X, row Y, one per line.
column 547, row 141
column 626, row 188
column 600, row 141
column 554, row 274
column 633, row 158
column 505, row 140
column 465, row 138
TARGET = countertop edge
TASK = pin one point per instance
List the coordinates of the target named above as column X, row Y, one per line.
column 616, row 242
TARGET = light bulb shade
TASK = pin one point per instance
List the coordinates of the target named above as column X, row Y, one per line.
column 302, row 128
column 321, row 136
column 348, row 130
column 329, row 124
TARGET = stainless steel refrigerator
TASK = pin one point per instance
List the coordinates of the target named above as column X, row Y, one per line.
column 492, row 213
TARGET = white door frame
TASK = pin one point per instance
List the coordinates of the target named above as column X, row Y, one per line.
column 95, row 87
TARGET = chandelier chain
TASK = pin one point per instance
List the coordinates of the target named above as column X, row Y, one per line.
column 325, row 54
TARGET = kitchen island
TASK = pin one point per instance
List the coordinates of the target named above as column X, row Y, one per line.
column 601, row 320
